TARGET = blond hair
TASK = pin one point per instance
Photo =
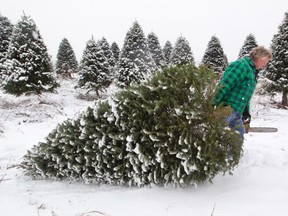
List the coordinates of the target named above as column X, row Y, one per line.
column 259, row 53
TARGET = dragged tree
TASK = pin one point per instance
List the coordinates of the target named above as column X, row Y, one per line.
column 164, row 131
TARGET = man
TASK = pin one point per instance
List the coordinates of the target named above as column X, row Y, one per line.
column 238, row 84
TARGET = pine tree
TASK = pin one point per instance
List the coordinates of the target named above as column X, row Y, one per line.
column 158, row 132
column 66, row 60
column 181, row 53
column 155, row 50
column 135, row 63
column 28, row 68
column 107, row 52
column 214, row 56
column 94, row 74
column 116, row 51
column 249, row 44
column 277, row 70
column 167, row 50
column 6, row 29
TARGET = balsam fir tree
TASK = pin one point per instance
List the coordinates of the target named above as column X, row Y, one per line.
column 249, row 44
column 167, row 50
column 181, row 53
column 214, row 56
column 136, row 62
column 109, row 56
column 277, row 70
column 107, row 52
column 115, row 51
column 6, row 29
column 94, row 74
column 66, row 60
column 28, row 68
column 163, row 131
column 156, row 50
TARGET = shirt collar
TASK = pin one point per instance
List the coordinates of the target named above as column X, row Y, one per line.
column 250, row 62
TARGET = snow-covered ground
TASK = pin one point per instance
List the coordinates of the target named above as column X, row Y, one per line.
column 258, row 186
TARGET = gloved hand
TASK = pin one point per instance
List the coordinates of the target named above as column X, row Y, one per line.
column 246, row 118
column 246, row 121
column 222, row 111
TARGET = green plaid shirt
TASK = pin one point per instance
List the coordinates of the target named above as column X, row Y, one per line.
column 237, row 85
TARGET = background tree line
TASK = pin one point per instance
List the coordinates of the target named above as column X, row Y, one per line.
column 26, row 66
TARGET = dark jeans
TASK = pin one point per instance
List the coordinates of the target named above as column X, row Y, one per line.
column 235, row 122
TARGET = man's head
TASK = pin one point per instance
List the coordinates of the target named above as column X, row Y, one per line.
column 260, row 56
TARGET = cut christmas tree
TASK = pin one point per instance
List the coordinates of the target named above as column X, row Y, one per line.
column 163, row 131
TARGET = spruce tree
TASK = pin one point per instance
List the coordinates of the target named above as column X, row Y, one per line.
column 28, row 68
column 214, row 56
column 94, row 74
column 162, row 131
column 6, row 29
column 116, row 51
column 66, row 63
column 181, row 53
column 277, row 70
column 249, row 44
column 167, row 50
column 136, row 62
column 156, row 50
column 107, row 52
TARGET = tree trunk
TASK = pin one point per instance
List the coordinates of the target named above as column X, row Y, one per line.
column 284, row 98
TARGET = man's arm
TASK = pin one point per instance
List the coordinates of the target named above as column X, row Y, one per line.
column 232, row 75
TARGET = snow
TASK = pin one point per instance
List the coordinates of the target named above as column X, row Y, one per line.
column 258, row 186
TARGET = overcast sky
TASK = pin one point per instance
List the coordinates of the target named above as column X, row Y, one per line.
column 77, row 20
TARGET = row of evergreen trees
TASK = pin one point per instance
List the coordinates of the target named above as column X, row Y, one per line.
column 26, row 66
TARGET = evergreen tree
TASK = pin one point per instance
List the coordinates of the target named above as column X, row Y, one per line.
column 214, row 56
column 107, row 52
column 94, row 74
column 6, row 29
column 249, row 44
column 116, row 51
column 277, row 70
column 66, row 60
column 155, row 50
column 167, row 50
column 135, row 63
column 181, row 53
column 158, row 132
column 28, row 68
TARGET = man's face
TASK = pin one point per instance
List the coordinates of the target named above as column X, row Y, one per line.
column 261, row 63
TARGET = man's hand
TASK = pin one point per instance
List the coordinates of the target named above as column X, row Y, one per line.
column 246, row 118
column 222, row 111
column 246, row 121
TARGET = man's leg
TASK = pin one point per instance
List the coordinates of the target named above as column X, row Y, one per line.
column 235, row 122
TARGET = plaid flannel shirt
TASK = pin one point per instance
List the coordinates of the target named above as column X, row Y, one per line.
column 237, row 85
